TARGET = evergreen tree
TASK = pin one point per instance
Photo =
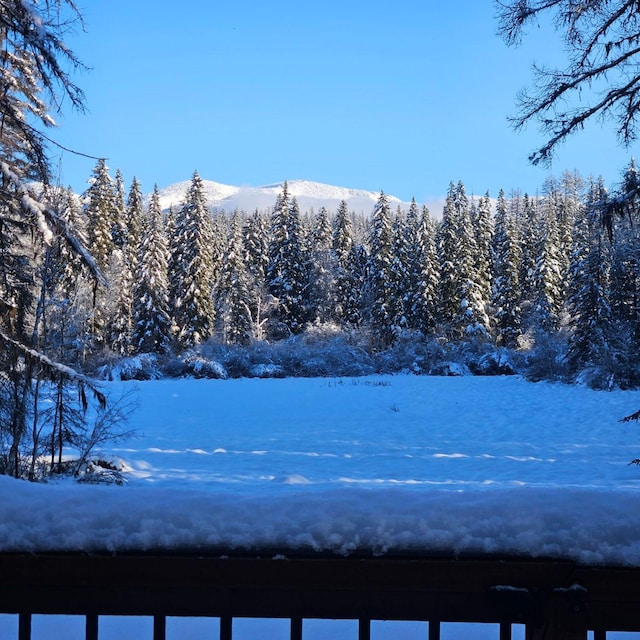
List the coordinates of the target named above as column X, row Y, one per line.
column 506, row 262
column 119, row 230
column 379, row 275
column 463, row 305
column 447, row 240
column 101, row 211
column 234, row 290
column 414, row 266
column 528, row 234
column 151, row 320
column 548, row 278
column 349, row 275
column 134, row 219
column 286, row 273
column 33, row 78
column 483, row 235
column 256, row 252
column 426, row 309
column 192, row 269
column 322, row 271
column 399, row 273
column 590, row 344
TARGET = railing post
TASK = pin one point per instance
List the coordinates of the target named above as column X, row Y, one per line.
column 91, row 626
column 505, row 631
column 24, row 626
column 434, row 629
column 226, row 627
column 159, row 628
column 296, row 629
column 364, row 629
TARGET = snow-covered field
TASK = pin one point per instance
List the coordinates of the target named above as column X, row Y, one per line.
column 377, row 464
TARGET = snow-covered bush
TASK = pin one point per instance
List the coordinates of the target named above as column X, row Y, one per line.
column 193, row 363
column 411, row 353
column 141, row 367
column 547, row 359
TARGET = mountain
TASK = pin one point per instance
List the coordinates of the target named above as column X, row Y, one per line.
column 310, row 195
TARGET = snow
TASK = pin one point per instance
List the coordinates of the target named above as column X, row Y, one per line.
column 310, row 195
column 374, row 465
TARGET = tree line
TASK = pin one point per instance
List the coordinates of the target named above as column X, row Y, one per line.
column 526, row 273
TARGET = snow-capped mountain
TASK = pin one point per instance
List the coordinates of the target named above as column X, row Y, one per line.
column 310, row 195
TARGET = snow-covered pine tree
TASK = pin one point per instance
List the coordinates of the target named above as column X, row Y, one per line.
column 413, row 266
column 151, row 320
column 101, row 212
column 119, row 231
column 349, row 276
column 233, row 292
column 625, row 274
column 462, row 304
column 34, row 79
column 256, row 255
column 506, row 263
column 191, row 284
column 127, row 235
column 322, row 271
column 528, row 234
column 472, row 319
column 134, row 219
column 380, row 282
column 400, row 285
column 447, row 244
column 426, row 310
column 287, row 275
column 482, row 222
column 590, row 343
column 548, row 277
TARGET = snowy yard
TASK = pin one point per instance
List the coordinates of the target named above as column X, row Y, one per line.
column 379, row 464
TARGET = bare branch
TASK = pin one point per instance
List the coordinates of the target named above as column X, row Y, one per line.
column 603, row 43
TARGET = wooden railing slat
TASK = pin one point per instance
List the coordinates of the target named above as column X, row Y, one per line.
column 226, row 628
column 296, row 629
column 24, row 626
column 91, row 627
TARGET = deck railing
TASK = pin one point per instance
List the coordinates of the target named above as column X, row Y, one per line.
column 553, row 599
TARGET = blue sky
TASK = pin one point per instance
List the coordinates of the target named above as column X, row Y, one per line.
column 402, row 96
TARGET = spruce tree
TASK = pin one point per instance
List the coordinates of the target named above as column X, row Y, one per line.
column 349, row 275
column 256, row 255
column 34, row 81
column 101, row 211
column 592, row 337
column 463, row 307
column 426, row 309
column 379, row 275
column 322, row 271
column 506, row 263
column 548, row 278
column 483, row 234
column 233, row 294
column 287, row 276
column 191, row 285
column 151, row 320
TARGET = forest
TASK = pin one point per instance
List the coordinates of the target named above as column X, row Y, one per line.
column 538, row 285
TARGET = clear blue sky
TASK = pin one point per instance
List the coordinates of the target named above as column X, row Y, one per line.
column 403, row 96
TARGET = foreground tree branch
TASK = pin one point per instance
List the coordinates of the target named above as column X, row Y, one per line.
column 601, row 79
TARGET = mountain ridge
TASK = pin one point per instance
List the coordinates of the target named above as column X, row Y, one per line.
column 309, row 194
